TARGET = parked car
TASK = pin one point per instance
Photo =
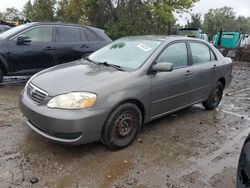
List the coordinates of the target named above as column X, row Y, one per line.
column 134, row 80
column 4, row 28
column 31, row 47
column 243, row 172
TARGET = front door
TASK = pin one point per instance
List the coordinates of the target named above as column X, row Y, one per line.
column 171, row 90
column 35, row 55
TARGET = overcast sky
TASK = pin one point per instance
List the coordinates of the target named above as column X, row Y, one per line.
column 241, row 7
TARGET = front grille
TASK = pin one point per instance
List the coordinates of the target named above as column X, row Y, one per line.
column 36, row 94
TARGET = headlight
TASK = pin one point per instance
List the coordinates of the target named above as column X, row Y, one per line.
column 74, row 100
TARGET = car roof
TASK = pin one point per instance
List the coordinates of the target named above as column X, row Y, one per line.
column 162, row 38
column 60, row 24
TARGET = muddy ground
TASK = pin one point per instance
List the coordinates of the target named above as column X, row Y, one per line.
column 192, row 148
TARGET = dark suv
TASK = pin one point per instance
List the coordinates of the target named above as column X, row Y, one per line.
column 29, row 48
column 4, row 28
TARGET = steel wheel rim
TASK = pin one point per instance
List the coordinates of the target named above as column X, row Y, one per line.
column 125, row 125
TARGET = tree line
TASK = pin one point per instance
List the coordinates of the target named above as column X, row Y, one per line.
column 222, row 18
column 131, row 17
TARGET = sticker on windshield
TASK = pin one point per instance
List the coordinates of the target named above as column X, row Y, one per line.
column 144, row 47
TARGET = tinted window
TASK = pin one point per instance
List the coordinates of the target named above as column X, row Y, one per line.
column 68, row 34
column 40, row 34
column 176, row 54
column 91, row 35
column 200, row 53
column 84, row 35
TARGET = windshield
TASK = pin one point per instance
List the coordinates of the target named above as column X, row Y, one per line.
column 13, row 31
column 128, row 53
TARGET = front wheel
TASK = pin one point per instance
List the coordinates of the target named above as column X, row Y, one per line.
column 214, row 97
column 122, row 126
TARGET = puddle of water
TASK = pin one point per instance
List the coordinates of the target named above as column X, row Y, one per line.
column 115, row 170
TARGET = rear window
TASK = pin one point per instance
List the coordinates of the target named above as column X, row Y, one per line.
column 200, row 53
column 68, row 34
column 92, row 36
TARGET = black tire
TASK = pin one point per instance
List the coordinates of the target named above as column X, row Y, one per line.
column 243, row 170
column 122, row 126
column 215, row 97
column 1, row 76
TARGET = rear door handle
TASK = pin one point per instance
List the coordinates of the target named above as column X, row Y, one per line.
column 215, row 66
column 48, row 48
column 188, row 73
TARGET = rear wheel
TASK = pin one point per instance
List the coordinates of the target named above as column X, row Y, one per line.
column 122, row 126
column 1, row 75
column 215, row 97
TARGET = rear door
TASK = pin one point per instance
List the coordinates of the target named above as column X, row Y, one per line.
column 70, row 44
column 204, row 70
column 171, row 90
column 35, row 55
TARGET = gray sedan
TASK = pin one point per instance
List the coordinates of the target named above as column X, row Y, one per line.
column 109, row 95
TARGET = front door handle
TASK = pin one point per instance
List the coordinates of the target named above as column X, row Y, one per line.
column 188, row 73
column 84, row 46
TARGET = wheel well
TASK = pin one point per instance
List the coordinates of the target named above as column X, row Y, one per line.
column 3, row 68
column 133, row 101
column 223, row 81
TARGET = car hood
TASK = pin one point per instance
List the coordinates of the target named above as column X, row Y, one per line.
column 76, row 76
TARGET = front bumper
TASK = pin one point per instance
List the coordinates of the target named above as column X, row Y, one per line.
column 65, row 126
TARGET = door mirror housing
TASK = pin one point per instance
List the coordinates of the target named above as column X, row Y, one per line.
column 163, row 67
column 22, row 39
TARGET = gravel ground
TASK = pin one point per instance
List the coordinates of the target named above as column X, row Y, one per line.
column 191, row 148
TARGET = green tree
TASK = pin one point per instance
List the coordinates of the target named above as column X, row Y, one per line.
column 44, row 10
column 195, row 21
column 131, row 18
column 164, row 10
column 61, row 12
column 99, row 12
column 217, row 19
column 242, row 23
column 72, row 11
column 28, row 11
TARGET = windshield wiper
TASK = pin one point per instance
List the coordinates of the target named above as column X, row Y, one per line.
column 117, row 67
column 89, row 60
column 111, row 65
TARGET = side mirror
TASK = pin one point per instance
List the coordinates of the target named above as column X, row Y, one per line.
column 163, row 67
column 22, row 39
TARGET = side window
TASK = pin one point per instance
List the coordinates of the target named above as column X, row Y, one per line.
column 68, row 34
column 84, row 35
column 40, row 34
column 213, row 57
column 176, row 54
column 91, row 35
column 200, row 53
